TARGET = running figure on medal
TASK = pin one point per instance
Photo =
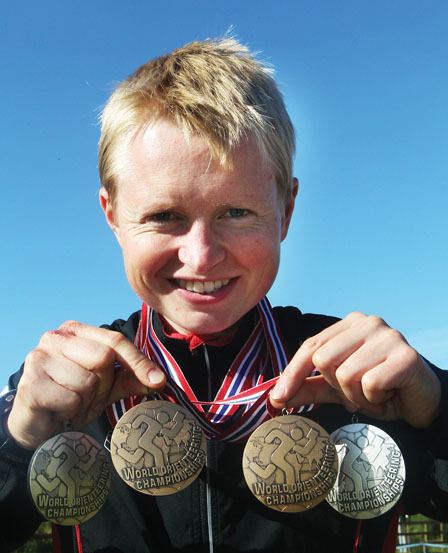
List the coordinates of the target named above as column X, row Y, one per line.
column 372, row 472
column 290, row 463
column 69, row 478
column 282, row 456
column 158, row 448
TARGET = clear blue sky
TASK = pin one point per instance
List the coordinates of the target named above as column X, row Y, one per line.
column 367, row 87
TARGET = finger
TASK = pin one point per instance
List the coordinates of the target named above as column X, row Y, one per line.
column 350, row 376
column 80, row 364
column 327, row 334
column 41, row 392
column 314, row 389
column 348, row 358
column 40, row 406
column 70, row 375
column 70, row 343
column 412, row 389
column 340, row 343
column 303, row 363
column 147, row 374
column 292, row 378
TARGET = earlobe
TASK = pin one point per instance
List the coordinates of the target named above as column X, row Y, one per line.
column 106, row 206
column 289, row 208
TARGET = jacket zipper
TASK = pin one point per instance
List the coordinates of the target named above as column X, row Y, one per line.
column 208, row 491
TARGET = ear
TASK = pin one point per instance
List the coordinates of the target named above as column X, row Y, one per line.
column 107, row 207
column 289, row 208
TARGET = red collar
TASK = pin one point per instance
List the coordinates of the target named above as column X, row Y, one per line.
column 196, row 340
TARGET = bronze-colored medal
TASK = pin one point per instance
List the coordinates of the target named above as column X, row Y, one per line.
column 158, row 448
column 372, row 472
column 290, row 463
column 69, row 478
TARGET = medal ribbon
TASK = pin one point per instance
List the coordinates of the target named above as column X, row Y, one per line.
column 241, row 403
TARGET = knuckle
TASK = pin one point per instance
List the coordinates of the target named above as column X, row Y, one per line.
column 91, row 383
column 374, row 322
column 26, row 388
column 372, row 390
column 409, row 356
column 320, row 358
column 49, row 337
column 34, row 373
column 140, row 366
column 52, row 339
column 343, row 377
column 311, row 343
column 356, row 316
column 116, row 339
column 104, row 357
column 369, row 384
column 324, row 360
column 36, row 357
column 70, row 326
column 396, row 336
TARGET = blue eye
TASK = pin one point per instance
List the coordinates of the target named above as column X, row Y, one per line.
column 237, row 212
column 163, row 216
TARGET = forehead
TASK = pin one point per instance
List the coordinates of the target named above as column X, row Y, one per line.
column 162, row 153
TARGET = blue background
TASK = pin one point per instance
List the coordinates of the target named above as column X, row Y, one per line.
column 366, row 85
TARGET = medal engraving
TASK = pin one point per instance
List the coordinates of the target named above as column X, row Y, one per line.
column 372, row 472
column 158, row 448
column 290, row 463
column 69, row 478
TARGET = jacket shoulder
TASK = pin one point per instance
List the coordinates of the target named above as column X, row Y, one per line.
column 296, row 326
column 127, row 327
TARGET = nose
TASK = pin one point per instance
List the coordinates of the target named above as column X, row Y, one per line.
column 200, row 248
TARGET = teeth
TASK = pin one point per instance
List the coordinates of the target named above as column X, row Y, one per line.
column 200, row 287
column 209, row 287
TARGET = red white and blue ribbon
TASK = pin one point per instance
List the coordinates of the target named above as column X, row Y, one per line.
column 241, row 403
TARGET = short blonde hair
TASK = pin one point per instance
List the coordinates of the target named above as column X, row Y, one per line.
column 215, row 89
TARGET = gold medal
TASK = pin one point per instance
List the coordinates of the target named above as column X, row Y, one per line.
column 372, row 472
column 69, row 478
column 290, row 463
column 158, row 448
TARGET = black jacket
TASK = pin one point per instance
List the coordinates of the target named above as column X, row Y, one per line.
column 218, row 506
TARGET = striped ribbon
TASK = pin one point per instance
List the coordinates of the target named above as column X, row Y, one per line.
column 241, row 403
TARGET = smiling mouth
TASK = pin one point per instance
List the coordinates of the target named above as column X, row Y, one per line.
column 202, row 287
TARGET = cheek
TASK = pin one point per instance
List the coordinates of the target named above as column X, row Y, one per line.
column 260, row 252
column 143, row 258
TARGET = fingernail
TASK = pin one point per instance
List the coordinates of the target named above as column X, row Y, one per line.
column 156, row 376
column 278, row 392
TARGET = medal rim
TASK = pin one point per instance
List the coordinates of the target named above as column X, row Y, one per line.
column 366, row 514
column 161, row 490
column 302, row 505
column 69, row 521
